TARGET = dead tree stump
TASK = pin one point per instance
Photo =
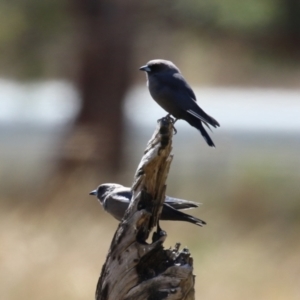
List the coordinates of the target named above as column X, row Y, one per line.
column 135, row 269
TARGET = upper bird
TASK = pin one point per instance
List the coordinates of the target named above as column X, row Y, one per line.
column 115, row 199
column 169, row 89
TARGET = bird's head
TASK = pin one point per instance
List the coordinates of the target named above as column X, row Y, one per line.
column 103, row 190
column 159, row 66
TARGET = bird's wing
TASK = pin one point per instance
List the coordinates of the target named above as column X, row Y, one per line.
column 122, row 195
column 182, row 94
column 116, row 203
column 180, row 203
column 183, row 85
column 193, row 113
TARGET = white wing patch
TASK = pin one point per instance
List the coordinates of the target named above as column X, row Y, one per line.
column 196, row 115
column 120, row 198
column 199, row 117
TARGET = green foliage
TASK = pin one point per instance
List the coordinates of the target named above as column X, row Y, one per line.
column 246, row 16
column 27, row 29
column 239, row 16
column 33, row 33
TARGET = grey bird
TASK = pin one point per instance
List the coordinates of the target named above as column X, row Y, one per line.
column 115, row 199
column 169, row 89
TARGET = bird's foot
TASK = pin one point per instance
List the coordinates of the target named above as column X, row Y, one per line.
column 158, row 234
column 169, row 118
column 173, row 121
column 175, row 130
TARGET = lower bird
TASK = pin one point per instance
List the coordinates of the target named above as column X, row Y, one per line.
column 115, row 199
column 170, row 90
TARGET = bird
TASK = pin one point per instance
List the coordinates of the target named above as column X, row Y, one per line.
column 115, row 199
column 170, row 90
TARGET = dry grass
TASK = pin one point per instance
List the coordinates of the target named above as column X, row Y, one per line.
column 56, row 250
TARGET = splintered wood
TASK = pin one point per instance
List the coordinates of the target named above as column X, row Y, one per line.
column 135, row 269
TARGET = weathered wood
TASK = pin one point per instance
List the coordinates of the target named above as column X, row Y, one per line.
column 135, row 269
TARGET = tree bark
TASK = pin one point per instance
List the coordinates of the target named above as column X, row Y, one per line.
column 135, row 269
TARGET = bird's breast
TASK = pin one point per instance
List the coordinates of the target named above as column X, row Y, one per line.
column 165, row 96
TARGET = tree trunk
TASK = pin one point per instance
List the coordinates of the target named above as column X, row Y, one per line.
column 135, row 269
column 105, row 41
column 292, row 22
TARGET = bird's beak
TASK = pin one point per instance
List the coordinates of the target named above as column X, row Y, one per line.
column 94, row 193
column 145, row 68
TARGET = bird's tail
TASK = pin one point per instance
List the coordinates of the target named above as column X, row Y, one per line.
column 210, row 120
column 206, row 136
column 171, row 214
column 198, row 124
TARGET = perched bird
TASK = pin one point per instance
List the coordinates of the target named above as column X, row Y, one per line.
column 115, row 199
column 169, row 89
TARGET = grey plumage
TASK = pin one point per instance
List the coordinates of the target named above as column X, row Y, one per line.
column 115, row 199
column 169, row 89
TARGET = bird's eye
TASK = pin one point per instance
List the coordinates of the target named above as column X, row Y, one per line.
column 102, row 190
column 155, row 68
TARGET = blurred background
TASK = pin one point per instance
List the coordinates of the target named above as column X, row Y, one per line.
column 75, row 112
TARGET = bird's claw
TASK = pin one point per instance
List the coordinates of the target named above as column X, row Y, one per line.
column 169, row 118
column 158, row 234
column 175, row 130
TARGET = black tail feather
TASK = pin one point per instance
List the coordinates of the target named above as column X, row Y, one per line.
column 206, row 136
column 171, row 214
column 210, row 120
column 198, row 124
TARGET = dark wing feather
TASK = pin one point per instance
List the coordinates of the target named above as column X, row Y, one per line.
column 183, row 93
column 180, row 203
